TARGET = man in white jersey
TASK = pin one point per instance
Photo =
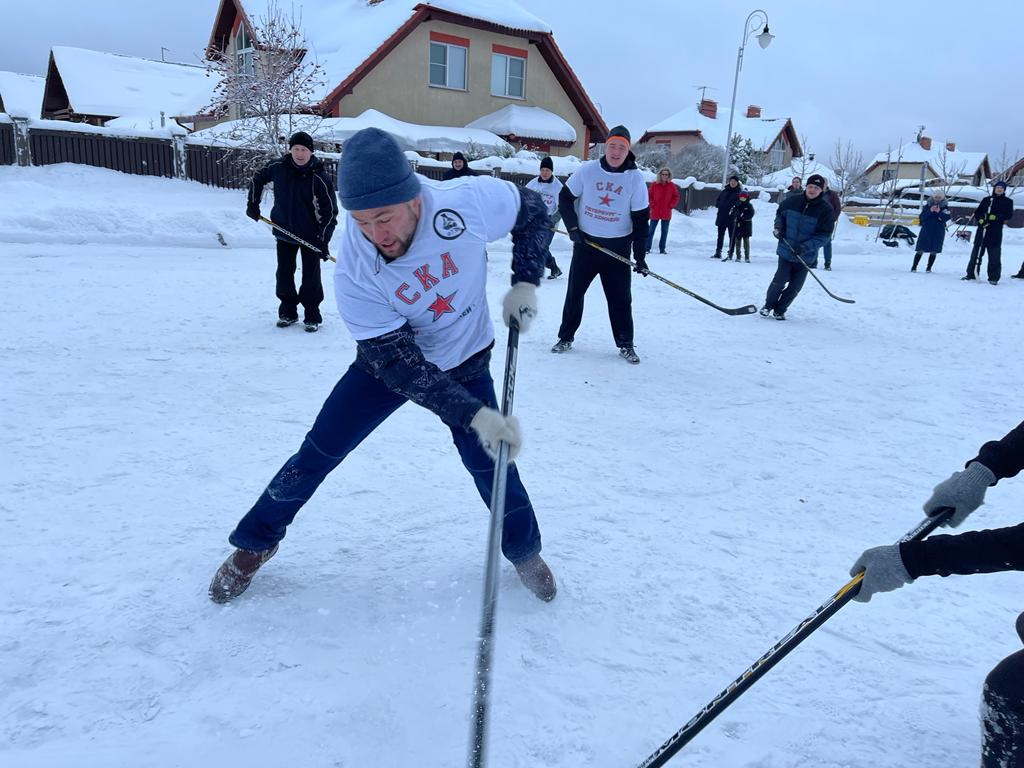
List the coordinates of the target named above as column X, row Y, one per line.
column 605, row 202
column 548, row 187
column 410, row 285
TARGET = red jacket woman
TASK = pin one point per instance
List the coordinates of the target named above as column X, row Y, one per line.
column 663, row 196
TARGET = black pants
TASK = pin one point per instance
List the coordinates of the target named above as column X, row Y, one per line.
column 917, row 260
column 1002, row 711
column 615, row 280
column 789, row 279
column 990, row 242
column 740, row 243
column 721, row 237
column 310, row 292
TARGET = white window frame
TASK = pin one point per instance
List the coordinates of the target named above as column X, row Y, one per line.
column 244, row 55
column 447, row 58
column 505, row 59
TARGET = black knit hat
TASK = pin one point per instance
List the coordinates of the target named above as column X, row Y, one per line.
column 620, row 131
column 458, row 156
column 547, row 163
column 734, row 177
column 302, row 139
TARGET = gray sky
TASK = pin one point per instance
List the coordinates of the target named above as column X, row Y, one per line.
column 869, row 71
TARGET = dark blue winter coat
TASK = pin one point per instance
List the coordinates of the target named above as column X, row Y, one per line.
column 304, row 199
column 724, row 202
column 933, row 228
column 805, row 226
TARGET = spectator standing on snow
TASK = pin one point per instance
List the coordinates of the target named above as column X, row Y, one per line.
column 664, row 196
column 837, row 208
column 802, row 225
column 605, row 202
column 795, row 188
column 305, row 205
column 991, row 214
column 742, row 226
column 1000, row 549
column 548, row 187
column 459, row 168
column 411, row 287
column 934, row 216
column 724, row 202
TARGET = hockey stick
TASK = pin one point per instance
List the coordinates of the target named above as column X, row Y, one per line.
column 811, row 271
column 776, row 653
column 485, row 647
column 296, row 238
column 749, row 309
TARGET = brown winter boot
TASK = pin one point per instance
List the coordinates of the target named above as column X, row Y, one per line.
column 235, row 574
column 537, row 577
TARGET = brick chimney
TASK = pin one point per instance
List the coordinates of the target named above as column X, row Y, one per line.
column 925, row 142
column 753, row 111
column 951, row 146
column 708, row 108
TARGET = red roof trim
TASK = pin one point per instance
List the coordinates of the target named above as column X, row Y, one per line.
column 509, row 51
column 441, row 37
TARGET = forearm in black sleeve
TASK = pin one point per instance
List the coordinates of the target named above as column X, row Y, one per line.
column 397, row 360
column 259, row 180
column 641, row 220
column 1004, row 457
column 999, row 549
column 567, row 207
column 530, row 238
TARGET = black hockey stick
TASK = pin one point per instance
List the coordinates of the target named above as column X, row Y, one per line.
column 485, row 647
column 296, row 238
column 811, row 271
column 749, row 309
column 775, row 654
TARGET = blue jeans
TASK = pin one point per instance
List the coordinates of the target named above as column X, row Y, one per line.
column 828, row 253
column 358, row 405
column 786, row 284
column 650, row 234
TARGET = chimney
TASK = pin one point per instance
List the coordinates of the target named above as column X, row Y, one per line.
column 925, row 142
column 951, row 146
column 753, row 111
column 708, row 108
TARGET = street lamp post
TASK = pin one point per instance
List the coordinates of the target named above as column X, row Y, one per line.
column 753, row 23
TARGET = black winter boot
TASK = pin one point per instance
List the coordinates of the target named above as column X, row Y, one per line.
column 537, row 577
column 235, row 574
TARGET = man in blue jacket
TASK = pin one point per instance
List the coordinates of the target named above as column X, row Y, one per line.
column 802, row 226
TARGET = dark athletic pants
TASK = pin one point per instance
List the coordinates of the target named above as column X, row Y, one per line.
column 789, row 279
column 310, row 292
column 587, row 264
column 1002, row 720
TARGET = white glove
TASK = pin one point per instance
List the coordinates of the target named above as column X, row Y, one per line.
column 492, row 428
column 521, row 303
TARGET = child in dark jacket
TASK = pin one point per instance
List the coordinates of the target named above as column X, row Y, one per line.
column 741, row 226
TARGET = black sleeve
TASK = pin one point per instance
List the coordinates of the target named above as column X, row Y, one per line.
column 530, row 238
column 1000, row 549
column 259, row 180
column 397, row 360
column 567, row 207
column 1008, row 214
column 327, row 205
column 641, row 220
column 981, row 211
column 1004, row 457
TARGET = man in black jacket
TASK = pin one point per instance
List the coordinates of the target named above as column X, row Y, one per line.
column 459, row 168
column 726, row 199
column 993, row 211
column 605, row 202
column 304, row 204
column 1002, row 549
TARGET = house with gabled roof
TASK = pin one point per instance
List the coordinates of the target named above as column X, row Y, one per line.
column 95, row 87
column 774, row 138
column 21, row 95
column 939, row 162
column 441, row 62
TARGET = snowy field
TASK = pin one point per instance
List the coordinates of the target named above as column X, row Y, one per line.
column 694, row 509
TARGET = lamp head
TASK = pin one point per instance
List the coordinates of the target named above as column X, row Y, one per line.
column 765, row 38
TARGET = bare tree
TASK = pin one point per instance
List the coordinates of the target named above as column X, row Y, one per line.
column 273, row 85
column 848, row 166
column 804, row 164
column 949, row 170
column 700, row 160
column 1003, row 163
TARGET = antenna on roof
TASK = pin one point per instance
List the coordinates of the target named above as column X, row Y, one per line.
column 703, row 88
column 162, row 49
column 920, row 133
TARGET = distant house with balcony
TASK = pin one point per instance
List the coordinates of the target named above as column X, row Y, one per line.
column 774, row 138
column 440, row 63
column 938, row 162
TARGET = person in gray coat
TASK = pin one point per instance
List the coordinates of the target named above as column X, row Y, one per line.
column 934, row 216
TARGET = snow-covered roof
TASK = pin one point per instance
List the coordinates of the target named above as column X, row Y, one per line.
column 343, row 33
column 410, row 136
column 527, row 123
column 913, row 152
column 525, row 161
column 100, row 83
column 803, row 169
column 761, row 131
column 22, row 95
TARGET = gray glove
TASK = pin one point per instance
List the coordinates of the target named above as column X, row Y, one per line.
column 883, row 571
column 963, row 491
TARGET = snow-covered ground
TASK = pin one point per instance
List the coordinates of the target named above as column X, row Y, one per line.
column 694, row 509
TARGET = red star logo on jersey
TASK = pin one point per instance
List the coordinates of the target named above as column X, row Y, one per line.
column 606, row 200
column 442, row 305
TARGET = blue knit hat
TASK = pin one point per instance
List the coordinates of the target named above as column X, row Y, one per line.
column 1000, row 183
column 374, row 172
